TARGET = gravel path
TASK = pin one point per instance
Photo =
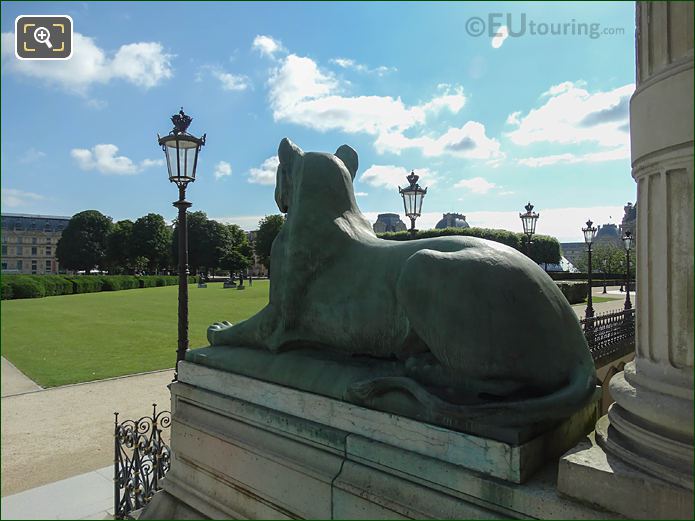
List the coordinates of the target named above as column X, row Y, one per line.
column 53, row 434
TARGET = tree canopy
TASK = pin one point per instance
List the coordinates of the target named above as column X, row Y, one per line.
column 151, row 239
column 119, row 254
column 268, row 229
column 83, row 243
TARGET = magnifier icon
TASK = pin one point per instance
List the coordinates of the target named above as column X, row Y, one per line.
column 43, row 35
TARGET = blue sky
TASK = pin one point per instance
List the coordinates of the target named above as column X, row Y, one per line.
column 489, row 121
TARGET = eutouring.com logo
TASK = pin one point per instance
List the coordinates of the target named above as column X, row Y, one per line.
column 503, row 25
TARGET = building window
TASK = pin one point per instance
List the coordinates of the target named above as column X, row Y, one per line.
column 33, row 251
column 48, row 240
column 48, row 251
column 4, row 265
column 34, row 240
column 20, row 240
column 19, row 265
column 4, row 239
column 48, row 266
column 4, row 250
column 33, row 267
column 19, row 251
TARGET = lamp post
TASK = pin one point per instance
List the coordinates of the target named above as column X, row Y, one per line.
column 589, row 233
column 181, row 151
column 528, row 221
column 412, row 200
column 627, row 242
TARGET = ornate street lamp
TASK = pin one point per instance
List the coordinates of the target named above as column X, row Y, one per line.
column 412, row 200
column 181, row 151
column 628, row 239
column 528, row 221
column 589, row 234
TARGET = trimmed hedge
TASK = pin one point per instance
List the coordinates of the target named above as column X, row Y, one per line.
column 544, row 249
column 35, row 286
column 6, row 290
column 574, row 292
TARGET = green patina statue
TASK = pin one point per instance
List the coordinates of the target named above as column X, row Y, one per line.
column 466, row 329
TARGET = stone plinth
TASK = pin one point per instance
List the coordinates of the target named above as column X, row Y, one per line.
column 243, row 448
column 597, row 476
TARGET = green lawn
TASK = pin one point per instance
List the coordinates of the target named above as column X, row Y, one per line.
column 78, row 338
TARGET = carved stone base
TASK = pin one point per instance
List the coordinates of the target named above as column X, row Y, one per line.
column 243, row 448
column 590, row 474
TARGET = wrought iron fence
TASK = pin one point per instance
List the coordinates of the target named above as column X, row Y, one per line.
column 141, row 460
column 610, row 335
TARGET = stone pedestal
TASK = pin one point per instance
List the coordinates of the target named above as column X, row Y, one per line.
column 649, row 428
column 244, row 448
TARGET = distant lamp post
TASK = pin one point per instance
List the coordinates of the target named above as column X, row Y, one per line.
column 528, row 221
column 589, row 234
column 181, row 151
column 628, row 239
column 412, row 199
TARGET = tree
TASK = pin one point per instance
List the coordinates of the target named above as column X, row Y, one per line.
column 545, row 250
column 235, row 261
column 606, row 258
column 268, row 229
column 83, row 242
column 151, row 238
column 119, row 255
column 198, row 240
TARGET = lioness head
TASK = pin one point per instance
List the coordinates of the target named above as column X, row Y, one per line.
column 291, row 163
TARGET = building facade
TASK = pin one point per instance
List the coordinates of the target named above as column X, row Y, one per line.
column 452, row 220
column 389, row 222
column 29, row 243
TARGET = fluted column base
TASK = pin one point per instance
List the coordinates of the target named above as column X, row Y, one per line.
column 649, row 429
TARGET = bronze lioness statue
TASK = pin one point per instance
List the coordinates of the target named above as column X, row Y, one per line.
column 482, row 332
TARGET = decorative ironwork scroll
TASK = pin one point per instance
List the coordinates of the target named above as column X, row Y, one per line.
column 610, row 335
column 141, row 459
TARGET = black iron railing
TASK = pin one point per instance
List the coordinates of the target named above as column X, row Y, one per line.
column 610, row 335
column 141, row 460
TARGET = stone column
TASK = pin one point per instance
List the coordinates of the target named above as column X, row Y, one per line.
column 650, row 425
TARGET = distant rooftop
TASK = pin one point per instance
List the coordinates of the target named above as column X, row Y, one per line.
column 35, row 216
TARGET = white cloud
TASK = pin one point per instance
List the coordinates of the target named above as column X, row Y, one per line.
column 573, row 115
column 469, row 141
column 476, row 185
column 147, row 163
column 13, row 198
column 361, row 194
column 245, row 222
column 619, row 153
column 233, row 82
column 500, row 37
column 144, row 64
column 390, row 176
column 96, row 104
column 265, row 174
column 513, row 118
column 267, row 45
column 347, row 63
column 103, row 158
column 222, row 169
column 301, row 93
column 32, row 155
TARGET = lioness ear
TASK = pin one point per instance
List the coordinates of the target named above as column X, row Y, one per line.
column 349, row 158
column 287, row 151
